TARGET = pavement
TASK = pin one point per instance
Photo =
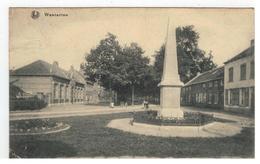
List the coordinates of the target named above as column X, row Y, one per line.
column 215, row 129
column 70, row 110
column 244, row 121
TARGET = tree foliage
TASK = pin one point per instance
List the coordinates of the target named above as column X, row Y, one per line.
column 191, row 59
column 115, row 67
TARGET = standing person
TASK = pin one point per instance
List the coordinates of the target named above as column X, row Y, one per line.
column 111, row 105
column 147, row 105
column 144, row 102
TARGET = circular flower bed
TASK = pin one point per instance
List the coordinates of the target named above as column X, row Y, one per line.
column 37, row 126
column 189, row 119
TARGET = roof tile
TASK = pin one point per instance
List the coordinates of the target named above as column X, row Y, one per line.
column 214, row 74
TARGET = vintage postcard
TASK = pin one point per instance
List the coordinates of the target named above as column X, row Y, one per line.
column 131, row 83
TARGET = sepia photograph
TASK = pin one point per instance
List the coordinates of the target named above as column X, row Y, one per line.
column 131, row 82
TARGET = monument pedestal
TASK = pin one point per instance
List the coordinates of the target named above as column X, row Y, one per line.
column 170, row 102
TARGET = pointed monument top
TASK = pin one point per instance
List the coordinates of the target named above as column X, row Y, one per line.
column 170, row 68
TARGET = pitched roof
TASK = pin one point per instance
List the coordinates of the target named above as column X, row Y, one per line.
column 214, row 74
column 42, row 68
column 77, row 76
column 247, row 52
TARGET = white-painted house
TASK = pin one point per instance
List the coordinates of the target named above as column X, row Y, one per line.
column 239, row 82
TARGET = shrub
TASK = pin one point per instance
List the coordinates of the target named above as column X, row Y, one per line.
column 30, row 124
column 190, row 118
column 31, row 103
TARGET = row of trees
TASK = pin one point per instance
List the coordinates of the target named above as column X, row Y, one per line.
column 125, row 70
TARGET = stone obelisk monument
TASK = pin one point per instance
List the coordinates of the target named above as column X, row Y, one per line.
column 170, row 85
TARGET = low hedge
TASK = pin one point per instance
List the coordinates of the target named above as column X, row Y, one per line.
column 189, row 119
column 31, row 124
column 31, row 103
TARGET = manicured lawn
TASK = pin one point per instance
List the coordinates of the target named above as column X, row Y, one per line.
column 89, row 137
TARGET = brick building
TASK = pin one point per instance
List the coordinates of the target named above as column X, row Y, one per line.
column 50, row 81
column 205, row 90
column 239, row 81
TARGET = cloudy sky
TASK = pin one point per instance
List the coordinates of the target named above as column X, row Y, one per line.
column 67, row 39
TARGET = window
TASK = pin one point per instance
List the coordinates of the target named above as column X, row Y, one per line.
column 204, row 97
column 56, row 91
column 215, row 83
column 234, row 96
column 230, row 74
column 243, row 71
column 201, row 97
column 210, row 98
column 62, row 91
column 189, row 98
column 221, row 98
column 221, row 83
column 226, row 97
column 65, row 92
column 245, row 97
column 68, row 92
column 252, row 69
column 204, row 85
column 216, row 98
column 60, row 95
column 210, row 84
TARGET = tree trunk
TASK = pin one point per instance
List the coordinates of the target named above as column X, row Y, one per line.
column 115, row 97
column 110, row 92
column 133, row 94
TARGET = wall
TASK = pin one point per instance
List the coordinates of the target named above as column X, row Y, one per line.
column 237, row 83
column 205, row 88
column 33, row 84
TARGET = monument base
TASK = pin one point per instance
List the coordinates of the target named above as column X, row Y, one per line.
column 171, row 113
column 170, row 102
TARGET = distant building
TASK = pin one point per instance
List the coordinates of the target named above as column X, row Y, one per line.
column 205, row 90
column 50, row 81
column 240, row 81
column 96, row 94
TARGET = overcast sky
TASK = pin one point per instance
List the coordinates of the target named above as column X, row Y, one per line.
column 66, row 39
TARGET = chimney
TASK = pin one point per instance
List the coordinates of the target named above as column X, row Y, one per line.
column 54, row 67
column 56, row 64
column 71, row 68
column 71, row 71
column 252, row 42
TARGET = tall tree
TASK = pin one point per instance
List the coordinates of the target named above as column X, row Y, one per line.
column 191, row 59
column 116, row 68
column 135, row 65
column 99, row 63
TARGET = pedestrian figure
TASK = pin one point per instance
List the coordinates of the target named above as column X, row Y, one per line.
column 112, row 105
column 145, row 104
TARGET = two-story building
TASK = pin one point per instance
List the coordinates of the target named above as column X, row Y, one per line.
column 205, row 90
column 239, row 82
